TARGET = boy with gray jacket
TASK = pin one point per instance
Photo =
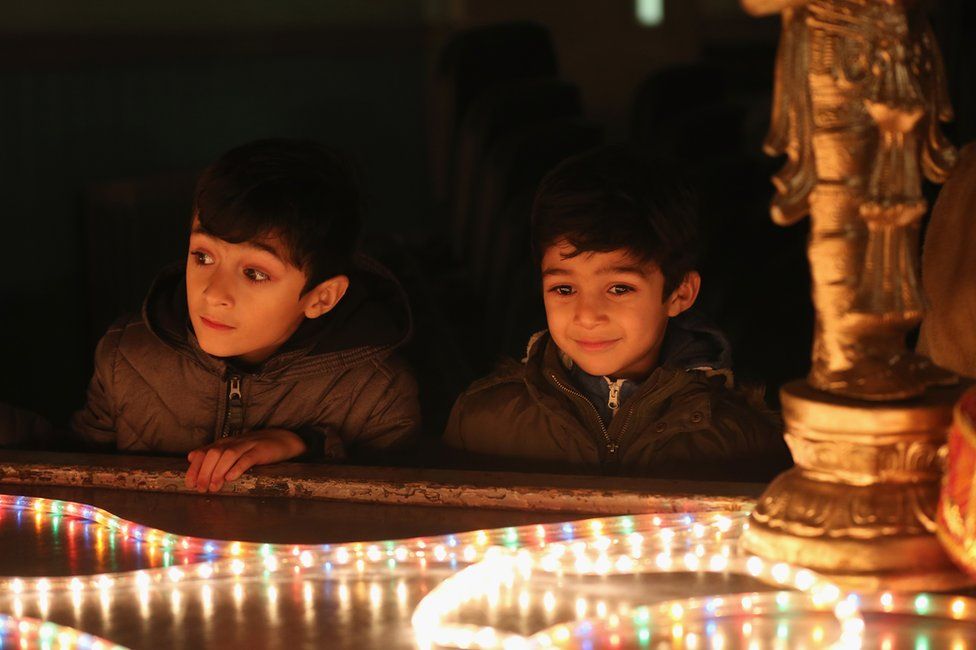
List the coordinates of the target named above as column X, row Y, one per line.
column 274, row 340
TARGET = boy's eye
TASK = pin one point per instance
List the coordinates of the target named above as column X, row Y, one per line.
column 561, row 290
column 620, row 289
column 256, row 276
column 202, row 258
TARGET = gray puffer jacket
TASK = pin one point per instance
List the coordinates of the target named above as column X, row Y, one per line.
column 336, row 382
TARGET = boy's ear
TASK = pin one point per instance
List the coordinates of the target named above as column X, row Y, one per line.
column 322, row 298
column 685, row 294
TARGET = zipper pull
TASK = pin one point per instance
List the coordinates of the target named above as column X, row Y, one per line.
column 234, row 412
column 613, row 400
column 235, row 388
column 612, row 448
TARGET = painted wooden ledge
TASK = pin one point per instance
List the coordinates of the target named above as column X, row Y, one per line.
column 387, row 485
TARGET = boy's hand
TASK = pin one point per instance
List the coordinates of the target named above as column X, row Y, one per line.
column 225, row 460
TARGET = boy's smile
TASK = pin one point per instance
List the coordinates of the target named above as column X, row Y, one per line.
column 244, row 299
column 607, row 310
column 596, row 345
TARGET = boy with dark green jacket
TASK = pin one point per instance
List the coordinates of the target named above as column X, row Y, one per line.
column 626, row 379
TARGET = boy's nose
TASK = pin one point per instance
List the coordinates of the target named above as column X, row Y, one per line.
column 588, row 312
column 217, row 291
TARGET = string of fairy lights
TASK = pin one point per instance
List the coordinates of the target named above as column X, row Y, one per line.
column 483, row 564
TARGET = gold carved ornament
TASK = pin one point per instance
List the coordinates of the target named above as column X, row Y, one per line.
column 858, row 101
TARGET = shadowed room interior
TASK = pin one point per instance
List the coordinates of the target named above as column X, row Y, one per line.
column 453, row 109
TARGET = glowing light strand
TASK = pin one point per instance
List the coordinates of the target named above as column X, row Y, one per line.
column 235, row 558
column 498, row 559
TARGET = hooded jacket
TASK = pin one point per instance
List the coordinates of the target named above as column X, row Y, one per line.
column 335, row 382
column 684, row 420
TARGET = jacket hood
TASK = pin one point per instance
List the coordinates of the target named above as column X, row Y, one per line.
column 372, row 319
column 693, row 343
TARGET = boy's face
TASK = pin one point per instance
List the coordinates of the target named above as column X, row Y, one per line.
column 607, row 311
column 245, row 300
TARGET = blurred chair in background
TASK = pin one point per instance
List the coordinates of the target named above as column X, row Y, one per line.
column 471, row 62
column 499, row 111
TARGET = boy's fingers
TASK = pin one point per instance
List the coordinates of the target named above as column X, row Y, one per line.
column 207, row 467
column 247, row 460
column 194, row 470
column 227, row 460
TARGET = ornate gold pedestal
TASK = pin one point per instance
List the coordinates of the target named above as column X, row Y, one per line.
column 860, row 504
column 858, row 104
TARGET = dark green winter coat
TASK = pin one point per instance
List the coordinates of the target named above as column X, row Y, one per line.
column 683, row 421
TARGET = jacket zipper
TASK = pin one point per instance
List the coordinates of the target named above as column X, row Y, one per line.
column 622, row 438
column 613, row 399
column 611, row 445
column 234, row 411
column 623, row 429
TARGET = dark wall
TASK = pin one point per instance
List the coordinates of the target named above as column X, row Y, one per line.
column 100, row 91
column 954, row 22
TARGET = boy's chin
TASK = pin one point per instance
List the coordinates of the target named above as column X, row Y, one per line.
column 218, row 351
column 215, row 349
column 597, row 369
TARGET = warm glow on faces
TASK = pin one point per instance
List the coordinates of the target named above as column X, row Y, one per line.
column 606, row 310
column 244, row 299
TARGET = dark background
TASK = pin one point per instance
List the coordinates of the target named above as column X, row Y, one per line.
column 96, row 94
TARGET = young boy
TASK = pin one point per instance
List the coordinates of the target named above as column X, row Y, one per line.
column 625, row 379
column 273, row 341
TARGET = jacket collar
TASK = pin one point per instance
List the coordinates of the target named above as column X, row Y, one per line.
column 598, row 388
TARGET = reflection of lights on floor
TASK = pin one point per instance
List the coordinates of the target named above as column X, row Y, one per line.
column 105, row 600
column 375, row 595
column 33, row 633
column 175, row 600
column 343, row 593
column 206, row 600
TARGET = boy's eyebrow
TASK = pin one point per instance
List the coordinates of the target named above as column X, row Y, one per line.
column 627, row 268
column 603, row 270
column 265, row 247
column 260, row 245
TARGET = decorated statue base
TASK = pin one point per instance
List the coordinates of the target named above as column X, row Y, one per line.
column 860, row 505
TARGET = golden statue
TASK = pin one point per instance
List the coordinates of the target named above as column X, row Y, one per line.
column 857, row 107
column 858, row 100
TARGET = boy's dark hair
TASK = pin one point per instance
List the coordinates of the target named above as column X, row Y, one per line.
column 297, row 190
column 618, row 197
